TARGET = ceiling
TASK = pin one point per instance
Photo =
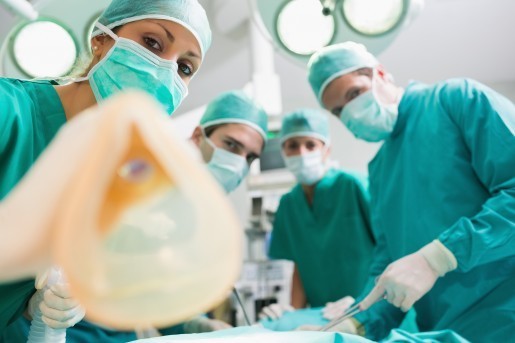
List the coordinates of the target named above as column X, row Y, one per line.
column 450, row 38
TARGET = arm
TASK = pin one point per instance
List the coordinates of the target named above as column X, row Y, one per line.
column 487, row 123
column 298, row 296
column 380, row 318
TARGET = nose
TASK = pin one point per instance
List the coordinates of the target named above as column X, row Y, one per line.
column 303, row 149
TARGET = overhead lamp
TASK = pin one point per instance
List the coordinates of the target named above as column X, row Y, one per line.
column 301, row 27
column 44, row 48
column 51, row 45
column 373, row 17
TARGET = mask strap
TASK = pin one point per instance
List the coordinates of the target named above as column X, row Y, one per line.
column 106, row 30
column 208, row 140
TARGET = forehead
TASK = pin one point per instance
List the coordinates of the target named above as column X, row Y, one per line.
column 335, row 91
column 183, row 36
column 303, row 140
column 244, row 134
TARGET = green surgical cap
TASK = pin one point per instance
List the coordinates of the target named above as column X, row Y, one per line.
column 235, row 107
column 334, row 61
column 305, row 122
column 188, row 13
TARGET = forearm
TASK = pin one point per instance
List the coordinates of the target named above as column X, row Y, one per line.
column 298, row 295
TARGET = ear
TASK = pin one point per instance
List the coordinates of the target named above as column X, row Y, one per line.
column 327, row 152
column 196, row 136
column 98, row 44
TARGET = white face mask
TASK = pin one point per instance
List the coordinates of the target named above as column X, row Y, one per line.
column 367, row 118
column 227, row 168
column 308, row 168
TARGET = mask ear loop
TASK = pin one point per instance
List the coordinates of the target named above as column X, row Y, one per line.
column 209, row 141
column 67, row 79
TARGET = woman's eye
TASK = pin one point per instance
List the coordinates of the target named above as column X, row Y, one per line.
column 185, row 69
column 337, row 111
column 152, row 43
column 354, row 94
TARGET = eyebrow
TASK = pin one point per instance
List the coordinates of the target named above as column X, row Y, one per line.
column 171, row 38
column 242, row 146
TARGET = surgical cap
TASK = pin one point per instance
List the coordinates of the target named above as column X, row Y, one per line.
column 334, row 61
column 305, row 122
column 188, row 13
column 235, row 107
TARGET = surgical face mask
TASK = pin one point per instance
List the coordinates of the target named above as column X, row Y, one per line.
column 129, row 65
column 227, row 168
column 308, row 168
column 368, row 119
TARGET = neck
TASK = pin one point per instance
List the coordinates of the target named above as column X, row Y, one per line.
column 309, row 191
column 75, row 97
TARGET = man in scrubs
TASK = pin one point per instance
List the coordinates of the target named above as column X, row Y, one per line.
column 322, row 224
column 443, row 195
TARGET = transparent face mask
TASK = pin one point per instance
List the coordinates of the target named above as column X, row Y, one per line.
column 137, row 225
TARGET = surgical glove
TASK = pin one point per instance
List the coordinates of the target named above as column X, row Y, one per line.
column 274, row 311
column 335, row 309
column 203, row 324
column 408, row 279
column 58, row 309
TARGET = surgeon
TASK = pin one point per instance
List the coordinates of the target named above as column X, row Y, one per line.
column 231, row 135
column 156, row 46
column 323, row 223
column 443, row 195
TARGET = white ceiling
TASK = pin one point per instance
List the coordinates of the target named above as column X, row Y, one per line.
column 450, row 38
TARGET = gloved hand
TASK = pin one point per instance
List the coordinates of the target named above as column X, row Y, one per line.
column 337, row 308
column 406, row 280
column 203, row 324
column 274, row 311
column 58, row 309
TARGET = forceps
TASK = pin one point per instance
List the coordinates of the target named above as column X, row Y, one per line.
column 350, row 312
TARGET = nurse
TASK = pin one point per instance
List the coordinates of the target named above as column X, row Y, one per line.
column 443, row 195
column 322, row 224
column 153, row 45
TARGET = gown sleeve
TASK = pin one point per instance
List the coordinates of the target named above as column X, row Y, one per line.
column 486, row 121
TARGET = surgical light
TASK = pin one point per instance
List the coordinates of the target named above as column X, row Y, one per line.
column 44, row 49
column 302, row 27
column 373, row 17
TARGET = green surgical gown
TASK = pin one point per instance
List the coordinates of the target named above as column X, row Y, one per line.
column 30, row 115
column 447, row 172
column 331, row 242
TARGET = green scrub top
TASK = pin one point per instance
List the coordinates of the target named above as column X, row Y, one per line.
column 447, row 172
column 331, row 241
column 30, row 115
